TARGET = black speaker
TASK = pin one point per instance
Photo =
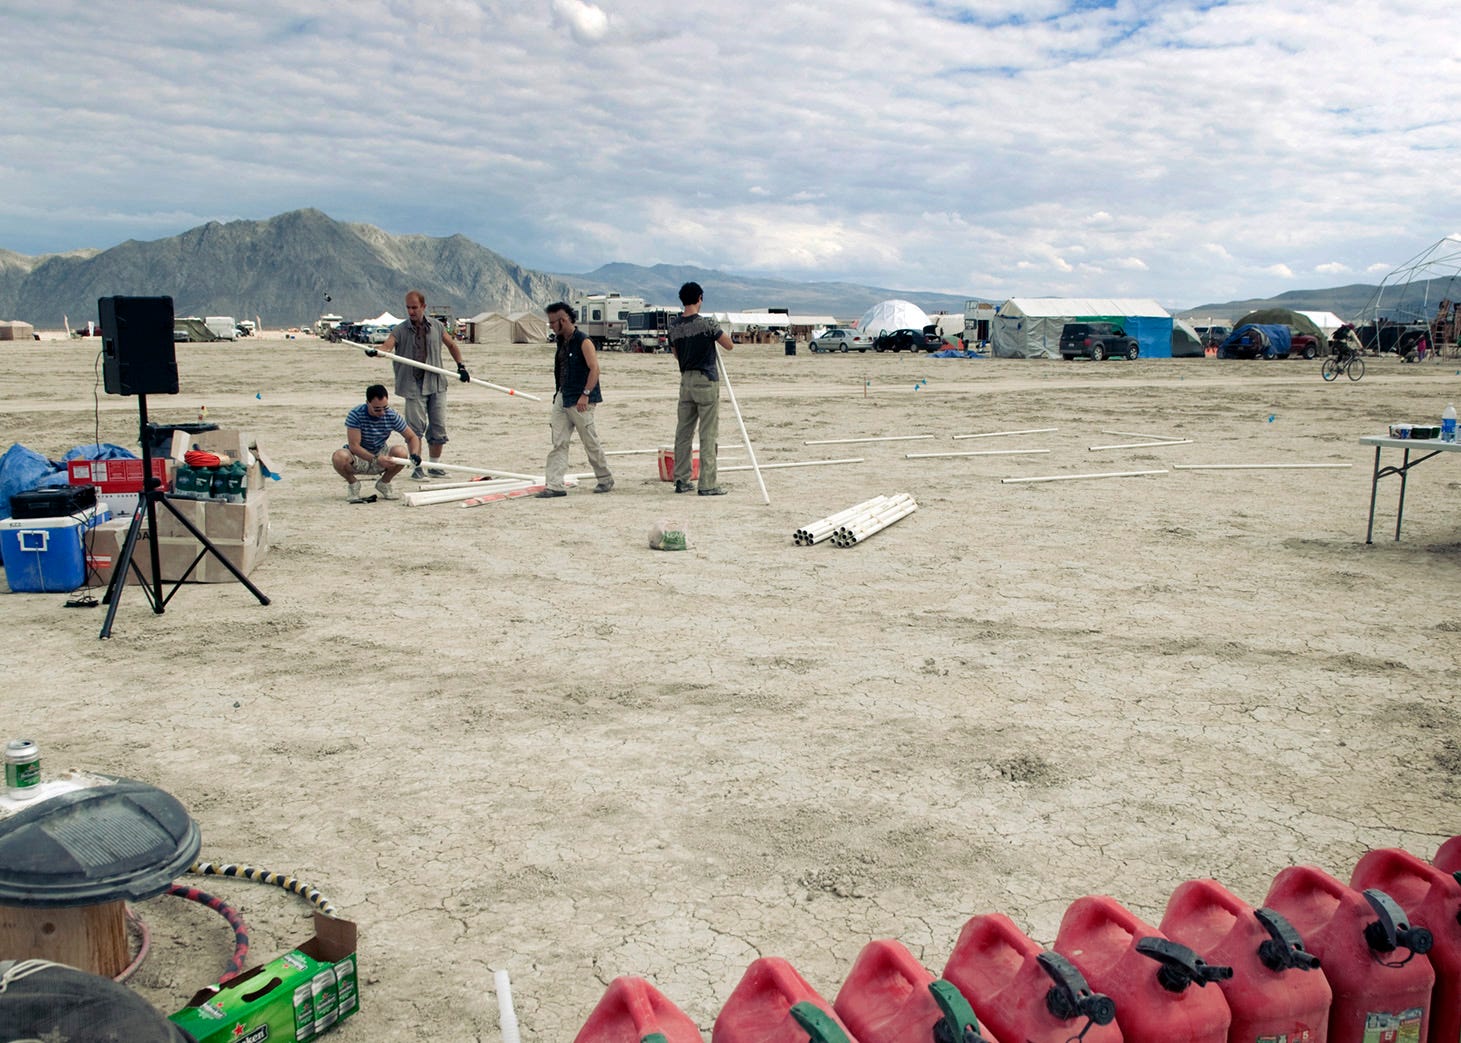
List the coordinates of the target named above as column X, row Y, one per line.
column 138, row 357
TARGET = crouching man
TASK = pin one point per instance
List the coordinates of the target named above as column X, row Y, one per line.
column 367, row 429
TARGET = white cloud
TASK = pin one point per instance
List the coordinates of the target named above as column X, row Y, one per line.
column 876, row 141
column 586, row 21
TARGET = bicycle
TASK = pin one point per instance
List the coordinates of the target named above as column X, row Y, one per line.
column 1347, row 362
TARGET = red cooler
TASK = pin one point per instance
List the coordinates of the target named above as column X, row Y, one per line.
column 1431, row 897
column 1023, row 993
column 774, row 1004
column 633, row 1011
column 1373, row 957
column 1160, row 986
column 1276, row 991
column 889, row 997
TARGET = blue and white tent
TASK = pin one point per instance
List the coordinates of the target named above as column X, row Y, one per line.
column 1029, row 327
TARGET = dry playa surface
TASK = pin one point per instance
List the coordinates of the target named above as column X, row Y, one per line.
column 513, row 737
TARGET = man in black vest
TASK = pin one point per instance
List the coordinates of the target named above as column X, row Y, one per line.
column 576, row 380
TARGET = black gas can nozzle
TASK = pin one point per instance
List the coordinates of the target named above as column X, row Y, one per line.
column 1283, row 950
column 1180, row 966
column 1070, row 996
column 1393, row 928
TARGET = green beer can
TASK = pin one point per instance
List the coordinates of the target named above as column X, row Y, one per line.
column 22, row 768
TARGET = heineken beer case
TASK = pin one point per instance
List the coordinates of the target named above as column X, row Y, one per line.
column 298, row 996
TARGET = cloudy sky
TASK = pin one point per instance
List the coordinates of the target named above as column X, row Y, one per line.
column 1190, row 151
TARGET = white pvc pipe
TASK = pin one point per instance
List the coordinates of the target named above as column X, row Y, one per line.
column 799, row 463
column 881, row 438
column 490, row 471
column 998, row 434
column 391, row 356
column 1141, row 445
column 741, row 421
column 1137, row 434
column 639, row 452
column 506, row 1016
column 1075, row 477
column 892, row 509
column 976, row 452
column 831, row 521
column 1252, row 467
column 887, row 505
column 432, row 497
column 858, row 534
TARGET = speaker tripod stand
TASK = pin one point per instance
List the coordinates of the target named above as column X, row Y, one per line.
column 151, row 499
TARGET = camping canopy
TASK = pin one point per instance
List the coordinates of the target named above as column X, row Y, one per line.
column 892, row 315
column 489, row 326
column 16, row 330
column 1185, row 341
column 1029, row 327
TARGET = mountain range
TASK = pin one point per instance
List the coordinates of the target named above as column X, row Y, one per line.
column 289, row 269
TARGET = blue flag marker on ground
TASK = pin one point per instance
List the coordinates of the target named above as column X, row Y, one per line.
column 1271, row 417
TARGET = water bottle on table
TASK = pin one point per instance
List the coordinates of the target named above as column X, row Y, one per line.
column 1448, row 424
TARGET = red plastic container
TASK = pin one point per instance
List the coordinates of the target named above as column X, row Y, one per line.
column 1022, row 993
column 1374, row 959
column 1160, row 986
column 1449, row 856
column 1431, row 897
column 889, row 997
column 632, row 1011
column 774, row 1004
column 1277, row 990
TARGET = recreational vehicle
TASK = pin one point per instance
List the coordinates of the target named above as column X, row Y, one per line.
column 603, row 316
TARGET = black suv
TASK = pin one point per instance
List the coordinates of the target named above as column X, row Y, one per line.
column 1097, row 340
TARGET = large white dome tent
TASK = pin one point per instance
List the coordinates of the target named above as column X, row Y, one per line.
column 895, row 314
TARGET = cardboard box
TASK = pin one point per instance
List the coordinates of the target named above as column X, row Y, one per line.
column 298, row 996
column 236, row 445
column 116, row 476
column 240, row 531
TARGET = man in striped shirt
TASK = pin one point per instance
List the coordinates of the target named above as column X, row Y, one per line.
column 367, row 429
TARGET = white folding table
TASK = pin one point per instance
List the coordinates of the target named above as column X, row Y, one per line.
column 1407, row 446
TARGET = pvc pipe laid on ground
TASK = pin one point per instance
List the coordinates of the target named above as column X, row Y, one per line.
column 432, row 497
column 975, row 452
column 880, row 438
column 999, row 434
column 492, row 472
column 855, row 516
column 1075, row 477
column 850, row 535
column 1138, row 434
column 1141, row 445
column 506, row 1016
column 798, row 463
column 1255, row 467
column 831, row 521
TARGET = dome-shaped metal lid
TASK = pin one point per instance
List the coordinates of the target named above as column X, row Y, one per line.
column 123, row 840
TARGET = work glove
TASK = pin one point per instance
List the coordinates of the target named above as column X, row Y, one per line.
column 462, row 372
column 415, row 459
column 372, row 352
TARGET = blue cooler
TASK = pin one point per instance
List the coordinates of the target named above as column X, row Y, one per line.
column 47, row 555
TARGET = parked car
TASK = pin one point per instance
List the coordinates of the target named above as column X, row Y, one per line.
column 906, row 340
column 1212, row 336
column 1303, row 345
column 1096, row 340
column 838, row 339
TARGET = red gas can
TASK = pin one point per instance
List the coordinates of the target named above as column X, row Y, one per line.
column 634, row 1011
column 1449, row 856
column 1431, row 897
column 1374, row 959
column 1023, row 993
column 774, row 1004
column 1276, row 991
column 889, row 997
column 1159, row 985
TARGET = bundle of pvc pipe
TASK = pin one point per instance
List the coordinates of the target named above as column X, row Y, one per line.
column 857, row 529
column 814, row 532
column 431, row 497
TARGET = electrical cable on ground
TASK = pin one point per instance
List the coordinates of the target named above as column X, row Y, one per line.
column 229, row 913
column 266, row 876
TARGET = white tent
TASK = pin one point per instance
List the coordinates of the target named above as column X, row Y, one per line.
column 528, row 327
column 1325, row 320
column 488, row 326
column 892, row 315
column 1029, row 327
column 385, row 318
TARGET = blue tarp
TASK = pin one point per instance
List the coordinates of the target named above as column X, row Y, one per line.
column 22, row 469
column 1153, row 334
column 1253, row 339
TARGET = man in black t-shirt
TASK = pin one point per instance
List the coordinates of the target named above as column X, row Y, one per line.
column 693, row 340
